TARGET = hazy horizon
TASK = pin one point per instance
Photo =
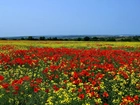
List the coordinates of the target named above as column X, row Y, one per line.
column 71, row 17
column 58, row 36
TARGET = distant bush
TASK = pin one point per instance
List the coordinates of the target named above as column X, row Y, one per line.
column 86, row 38
column 42, row 38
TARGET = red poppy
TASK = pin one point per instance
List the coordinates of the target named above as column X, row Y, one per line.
column 1, row 78
column 26, row 78
column 75, row 75
column 130, row 98
column 136, row 97
column 91, row 94
column 47, row 90
column 17, row 82
column 16, row 92
column 80, row 90
column 45, row 71
column 36, row 89
column 55, row 88
column 93, row 83
column 105, row 94
column 81, row 96
column 16, row 87
column 5, row 85
column 38, row 80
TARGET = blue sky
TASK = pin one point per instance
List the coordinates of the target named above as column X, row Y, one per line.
column 69, row 17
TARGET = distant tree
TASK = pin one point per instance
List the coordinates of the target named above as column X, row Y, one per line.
column 3, row 39
column 49, row 38
column 94, row 39
column 55, row 38
column 14, row 39
column 126, row 39
column 30, row 38
column 111, row 39
column 86, row 38
column 66, row 39
column 102, row 39
column 136, row 38
column 22, row 38
column 60, row 39
column 79, row 39
column 42, row 38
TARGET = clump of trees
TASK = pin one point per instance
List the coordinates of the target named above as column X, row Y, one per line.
column 131, row 38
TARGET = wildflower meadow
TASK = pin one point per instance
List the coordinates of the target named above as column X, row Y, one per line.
column 69, row 73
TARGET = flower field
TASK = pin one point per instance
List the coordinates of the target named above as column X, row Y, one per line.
column 69, row 73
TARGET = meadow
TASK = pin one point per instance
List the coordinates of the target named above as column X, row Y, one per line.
column 69, row 73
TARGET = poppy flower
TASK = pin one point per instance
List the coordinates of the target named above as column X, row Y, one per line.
column 26, row 78
column 5, row 85
column 105, row 94
column 36, row 89
column 136, row 97
column 81, row 96
column 80, row 90
column 55, row 88
column 47, row 90
column 16, row 87
column 1, row 78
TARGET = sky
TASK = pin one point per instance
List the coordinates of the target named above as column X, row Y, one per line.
column 69, row 17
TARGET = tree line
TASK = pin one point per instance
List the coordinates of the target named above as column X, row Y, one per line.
column 86, row 38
